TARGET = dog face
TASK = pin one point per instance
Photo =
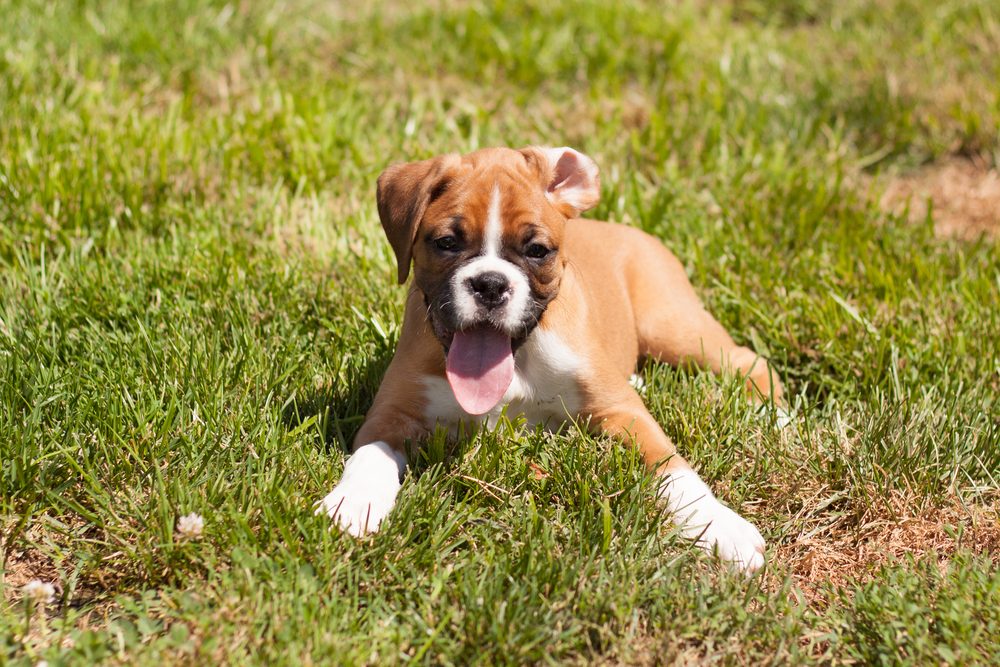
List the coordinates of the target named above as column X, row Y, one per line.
column 483, row 232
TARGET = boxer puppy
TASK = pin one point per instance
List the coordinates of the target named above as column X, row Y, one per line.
column 518, row 305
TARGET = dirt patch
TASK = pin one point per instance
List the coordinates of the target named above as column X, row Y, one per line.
column 48, row 552
column 35, row 556
column 963, row 196
column 849, row 550
column 24, row 566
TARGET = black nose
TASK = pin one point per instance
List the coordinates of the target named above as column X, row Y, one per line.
column 490, row 288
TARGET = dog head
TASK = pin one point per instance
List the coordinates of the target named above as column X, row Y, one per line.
column 483, row 232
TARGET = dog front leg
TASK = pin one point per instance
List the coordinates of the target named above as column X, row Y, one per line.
column 372, row 475
column 697, row 512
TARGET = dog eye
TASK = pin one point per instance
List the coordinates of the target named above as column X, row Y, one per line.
column 446, row 243
column 536, row 251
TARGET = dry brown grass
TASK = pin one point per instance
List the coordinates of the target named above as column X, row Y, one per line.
column 23, row 566
column 32, row 558
column 962, row 195
column 840, row 548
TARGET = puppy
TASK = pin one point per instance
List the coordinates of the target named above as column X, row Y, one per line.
column 519, row 305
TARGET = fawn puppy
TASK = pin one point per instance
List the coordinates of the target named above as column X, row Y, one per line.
column 517, row 304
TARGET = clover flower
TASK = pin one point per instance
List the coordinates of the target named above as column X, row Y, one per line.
column 191, row 526
column 39, row 592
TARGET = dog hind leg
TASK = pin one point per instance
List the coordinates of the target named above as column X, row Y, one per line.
column 674, row 327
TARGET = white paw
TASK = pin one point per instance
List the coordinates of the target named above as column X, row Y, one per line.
column 716, row 528
column 367, row 491
column 732, row 537
column 783, row 417
column 638, row 383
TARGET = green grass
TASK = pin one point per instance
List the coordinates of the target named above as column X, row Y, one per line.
column 197, row 304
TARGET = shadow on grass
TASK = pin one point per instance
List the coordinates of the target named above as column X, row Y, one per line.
column 340, row 408
column 339, row 411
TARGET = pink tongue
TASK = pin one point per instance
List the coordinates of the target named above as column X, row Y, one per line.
column 480, row 367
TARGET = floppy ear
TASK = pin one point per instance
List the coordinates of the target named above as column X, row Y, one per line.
column 404, row 191
column 569, row 177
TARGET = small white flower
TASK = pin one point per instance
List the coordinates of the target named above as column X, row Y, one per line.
column 190, row 526
column 39, row 591
column 42, row 663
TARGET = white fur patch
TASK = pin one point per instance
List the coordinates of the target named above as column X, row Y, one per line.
column 715, row 527
column 783, row 418
column 545, row 388
column 367, row 491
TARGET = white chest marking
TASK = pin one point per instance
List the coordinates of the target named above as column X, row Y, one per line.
column 545, row 388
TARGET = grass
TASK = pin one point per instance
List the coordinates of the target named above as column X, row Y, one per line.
column 197, row 304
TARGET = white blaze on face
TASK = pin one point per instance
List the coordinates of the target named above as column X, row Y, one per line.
column 489, row 260
column 493, row 239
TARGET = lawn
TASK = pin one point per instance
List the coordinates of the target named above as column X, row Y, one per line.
column 197, row 304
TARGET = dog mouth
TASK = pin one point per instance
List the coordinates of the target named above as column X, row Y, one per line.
column 480, row 367
column 479, row 355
